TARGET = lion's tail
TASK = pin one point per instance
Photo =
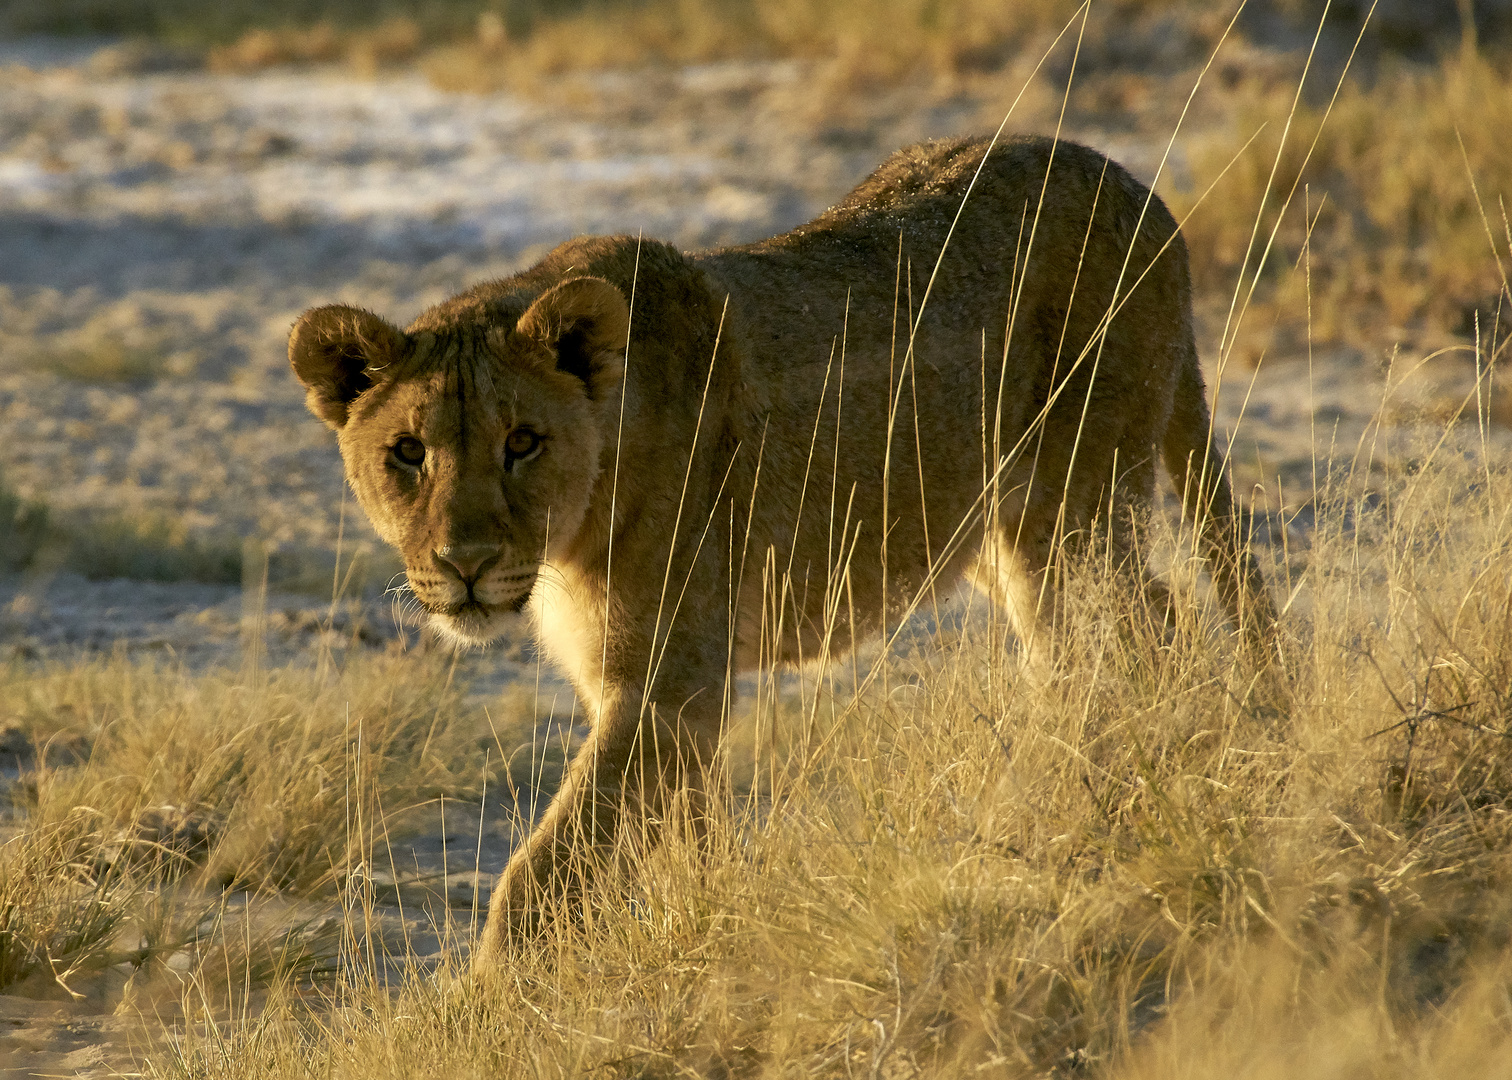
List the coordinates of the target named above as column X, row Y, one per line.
column 1222, row 527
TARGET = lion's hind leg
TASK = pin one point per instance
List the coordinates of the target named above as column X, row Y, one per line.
column 1089, row 530
column 1015, row 579
column 1144, row 602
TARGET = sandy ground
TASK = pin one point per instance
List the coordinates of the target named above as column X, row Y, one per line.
column 160, row 231
column 185, row 219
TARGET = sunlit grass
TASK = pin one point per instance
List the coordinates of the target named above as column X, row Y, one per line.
column 1150, row 863
column 1153, row 861
column 1399, row 211
column 191, row 842
column 59, row 912
column 154, row 546
column 247, row 777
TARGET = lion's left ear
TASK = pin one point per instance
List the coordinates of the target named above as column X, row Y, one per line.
column 584, row 321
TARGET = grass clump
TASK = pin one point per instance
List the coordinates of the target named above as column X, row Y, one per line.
column 144, row 547
column 23, row 530
column 390, row 43
column 150, row 548
column 188, row 21
column 1399, row 204
column 871, row 42
column 485, row 44
column 58, row 914
column 154, row 546
column 180, row 844
column 251, row 777
column 110, row 359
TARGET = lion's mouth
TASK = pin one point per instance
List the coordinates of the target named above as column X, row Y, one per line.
column 474, row 609
column 477, row 609
column 470, row 609
column 475, row 613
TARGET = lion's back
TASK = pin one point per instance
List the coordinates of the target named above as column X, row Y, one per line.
column 923, row 188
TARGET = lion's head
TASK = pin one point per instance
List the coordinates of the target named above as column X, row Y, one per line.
column 474, row 442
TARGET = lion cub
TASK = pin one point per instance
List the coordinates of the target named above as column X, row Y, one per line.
column 678, row 464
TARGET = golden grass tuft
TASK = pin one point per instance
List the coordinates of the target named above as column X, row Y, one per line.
column 59, row 912
column 247, row 778
column 870, row 43
column 262, row 48
column 149, row 545
column 390, row 43
column 180, row 843
column 1400, row 238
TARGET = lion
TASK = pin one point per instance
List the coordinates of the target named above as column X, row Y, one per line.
column 679, row 466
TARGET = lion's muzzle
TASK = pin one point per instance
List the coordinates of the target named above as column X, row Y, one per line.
column 470, row 595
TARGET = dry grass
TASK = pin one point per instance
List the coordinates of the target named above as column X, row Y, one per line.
column 1398, row 246
column 249, row 777
column 1151, row 863
column 150, row 546
column 142, row 547
column 480, row 46
column 209, row 24
column 389, row 44
column 162, row 814
column 1403, row 192
column 109, row 360
column 59, row 912
column 808, row 26
column 870, row 42
column 24, row 528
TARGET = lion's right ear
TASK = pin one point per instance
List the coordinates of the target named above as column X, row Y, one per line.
column 336, row 351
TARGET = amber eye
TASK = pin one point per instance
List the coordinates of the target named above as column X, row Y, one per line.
column 522, row 443
column 410, row 451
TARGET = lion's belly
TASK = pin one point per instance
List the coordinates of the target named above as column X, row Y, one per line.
column 837, row 579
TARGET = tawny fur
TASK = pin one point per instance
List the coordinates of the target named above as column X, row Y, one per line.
column 829, row 413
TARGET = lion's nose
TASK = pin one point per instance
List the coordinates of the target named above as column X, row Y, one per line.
column 468, row 560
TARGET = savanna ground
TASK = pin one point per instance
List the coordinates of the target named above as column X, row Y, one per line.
column 250, row 819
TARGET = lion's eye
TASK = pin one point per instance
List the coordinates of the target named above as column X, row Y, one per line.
column 522, row 443
column 410, row 451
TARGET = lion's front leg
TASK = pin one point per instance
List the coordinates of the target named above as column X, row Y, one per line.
column 618, row 787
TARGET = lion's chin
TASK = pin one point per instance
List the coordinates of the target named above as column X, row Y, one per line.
column 476, row 626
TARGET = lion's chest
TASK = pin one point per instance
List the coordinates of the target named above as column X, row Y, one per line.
column 570, row 627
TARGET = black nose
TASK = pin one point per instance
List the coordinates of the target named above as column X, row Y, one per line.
column 467, row 561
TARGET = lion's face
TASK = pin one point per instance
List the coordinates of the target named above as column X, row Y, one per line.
column 474, row 451
column 464, row 476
